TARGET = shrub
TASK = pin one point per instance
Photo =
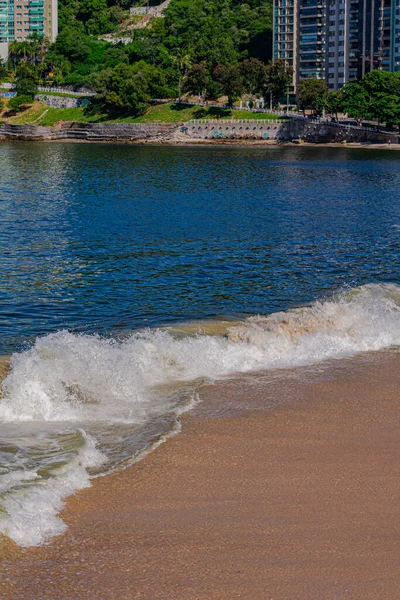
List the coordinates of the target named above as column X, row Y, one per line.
column 19, row 103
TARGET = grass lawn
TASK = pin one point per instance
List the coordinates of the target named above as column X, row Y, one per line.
column 54, row 115
column 173, row 113
column 31, row 114
column 41, row 114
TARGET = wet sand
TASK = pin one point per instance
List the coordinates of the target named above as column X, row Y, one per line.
column 4, row 365
column 295, row 497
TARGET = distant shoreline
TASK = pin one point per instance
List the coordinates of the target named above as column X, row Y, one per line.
column 208, row 142
column 207, row 132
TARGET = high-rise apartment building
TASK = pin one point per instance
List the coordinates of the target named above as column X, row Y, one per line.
column 339, row 40
column 369, row 36
column 21, row 18
column 311, row 38
column 338, row 43
column 395, row 37
column 284, row 35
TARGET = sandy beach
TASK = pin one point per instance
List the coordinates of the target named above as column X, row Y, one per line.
column 185, row 141
column 294, row 497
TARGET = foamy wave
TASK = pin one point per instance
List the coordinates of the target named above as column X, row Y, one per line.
column 30, row 516
column 67, row 377
column 367, row 318
column 85, row 379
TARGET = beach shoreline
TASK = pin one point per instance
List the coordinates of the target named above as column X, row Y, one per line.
column 280, row 486
column 219, row 143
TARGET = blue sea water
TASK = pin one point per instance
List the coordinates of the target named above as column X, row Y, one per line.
column 112, row 238
column 132, row 274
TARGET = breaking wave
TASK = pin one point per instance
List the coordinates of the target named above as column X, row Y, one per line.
column 74, row 405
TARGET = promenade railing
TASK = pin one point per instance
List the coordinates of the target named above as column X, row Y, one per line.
column 65, row 90
column 53, row 89
column 270, row 111
column 234, row 121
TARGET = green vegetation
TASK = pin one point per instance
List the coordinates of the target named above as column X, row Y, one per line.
column 312, row 95
column 174, row 113
column 207, row 32
column 30, row 115
column 375, row 97
column 19, row 103
column 56, row 115
column 41, row 114
column 207, row 48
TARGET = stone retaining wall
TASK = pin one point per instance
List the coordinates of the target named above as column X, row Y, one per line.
column 220, row 131
column 114, row 132
column 283, row 131
column 62, row 101
column 233, row 130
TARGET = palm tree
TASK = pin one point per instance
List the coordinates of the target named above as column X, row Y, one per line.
column 183, row 62
column 15, row 51
column 38, row 46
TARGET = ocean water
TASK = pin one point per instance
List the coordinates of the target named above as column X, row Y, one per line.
column 132, row 275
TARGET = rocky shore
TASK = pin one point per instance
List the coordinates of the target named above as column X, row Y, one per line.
column 244, row 131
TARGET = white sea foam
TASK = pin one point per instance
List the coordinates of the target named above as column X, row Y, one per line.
column 30, row 515
column 88, row 379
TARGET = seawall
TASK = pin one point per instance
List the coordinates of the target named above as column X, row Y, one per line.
column 285, row 131
column 92, row 132
column 297, row 130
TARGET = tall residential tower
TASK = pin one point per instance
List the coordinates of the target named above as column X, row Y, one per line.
column 21, row 18
column 395, row 37
column 338, row 40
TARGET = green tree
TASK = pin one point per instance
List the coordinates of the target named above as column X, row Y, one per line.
column 355, row 100
column 67, row 12
column 3, row 72
column 197, row 80
column 278, row 79
column 19, row 103
column 383, row 90
column 72, row 43
column 230, row 80
column 26, row 80
column 17, row 52
column 312, row 94
column 93, row 14
column 334, row 103
column 253, row 73
column 116, row 14
column 182, row 60
column 122, row 91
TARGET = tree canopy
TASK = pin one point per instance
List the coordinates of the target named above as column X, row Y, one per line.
column 312, row 94
column 375, row 97
column 204, row 47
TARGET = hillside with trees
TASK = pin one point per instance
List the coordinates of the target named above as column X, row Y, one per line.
column 207, row 48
